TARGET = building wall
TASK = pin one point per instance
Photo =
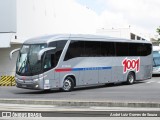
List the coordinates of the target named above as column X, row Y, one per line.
column 120, row 33
column 7, row 16
column 7, row 22
column 125, row 33
column 34, row 18
column 7, row 66
column 41, row 17
column 5, row 39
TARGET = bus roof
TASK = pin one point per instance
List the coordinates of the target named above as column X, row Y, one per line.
column 88, row 37
column 156, row 48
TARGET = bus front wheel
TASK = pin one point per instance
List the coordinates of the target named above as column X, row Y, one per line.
column 130, row 78
column 68, row 84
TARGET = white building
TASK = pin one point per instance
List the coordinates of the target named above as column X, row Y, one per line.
column 24, row 19
column 127, row 33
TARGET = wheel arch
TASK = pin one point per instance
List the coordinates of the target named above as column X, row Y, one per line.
column 129, row 80
column 128, row 74
column 72, row 76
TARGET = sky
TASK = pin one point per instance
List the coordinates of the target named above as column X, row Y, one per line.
column 144, row 15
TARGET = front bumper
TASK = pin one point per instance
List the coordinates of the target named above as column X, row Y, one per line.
column 28, row 86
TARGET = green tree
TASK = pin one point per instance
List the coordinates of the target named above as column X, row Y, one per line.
column 158, row 30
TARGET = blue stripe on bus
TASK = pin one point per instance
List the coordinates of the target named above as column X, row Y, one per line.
column 81, row 69
column 91, row 68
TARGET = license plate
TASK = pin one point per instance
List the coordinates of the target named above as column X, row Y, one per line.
column 24, row 85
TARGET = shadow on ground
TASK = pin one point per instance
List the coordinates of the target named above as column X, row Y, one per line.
column 158, row 75
column 76, row 89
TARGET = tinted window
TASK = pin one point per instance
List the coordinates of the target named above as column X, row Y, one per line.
column 49, row 61
column 89, row 49
column 121, row 49
column 59, row 48
column 92, row 49
column 75, row 49
column 139, row 49
column 101, row 49
column 146, row 49
column 134, row 49
column 107, row 49
column 52, row 57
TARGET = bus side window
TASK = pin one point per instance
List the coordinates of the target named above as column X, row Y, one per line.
column 92, row 49
column 121, row 49
column 139, row 49
column 59, row 48
column 47, row 62
column 107, row 49
column 146, row 49
column 75, row 49
column 58, row 51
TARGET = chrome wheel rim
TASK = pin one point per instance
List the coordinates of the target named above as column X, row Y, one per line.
column 131, row 78
column 67, row 85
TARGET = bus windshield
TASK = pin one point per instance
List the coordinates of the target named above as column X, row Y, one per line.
column 27, row 62
column 156, row 58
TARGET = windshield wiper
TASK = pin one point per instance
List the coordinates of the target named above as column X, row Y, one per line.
column 23, row 63
column 30, row 66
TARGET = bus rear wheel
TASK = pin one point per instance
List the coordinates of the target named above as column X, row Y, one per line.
column 68, row 84
column 130, row 78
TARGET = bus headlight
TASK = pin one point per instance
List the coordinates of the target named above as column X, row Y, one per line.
column 35, row 80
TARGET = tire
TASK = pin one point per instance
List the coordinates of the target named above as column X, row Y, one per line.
column 130, row 78
column 68, row 84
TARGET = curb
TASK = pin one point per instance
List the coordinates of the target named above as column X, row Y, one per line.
column 81, row 103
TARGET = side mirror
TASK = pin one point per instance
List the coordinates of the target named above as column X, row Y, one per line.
column 43, row 51
column 15, row 50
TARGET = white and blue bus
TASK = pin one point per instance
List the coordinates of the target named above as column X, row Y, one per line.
column 68, row 61
column 156, row 60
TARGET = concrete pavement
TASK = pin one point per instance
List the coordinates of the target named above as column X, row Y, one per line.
column 80, row 103
column 142, row 94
